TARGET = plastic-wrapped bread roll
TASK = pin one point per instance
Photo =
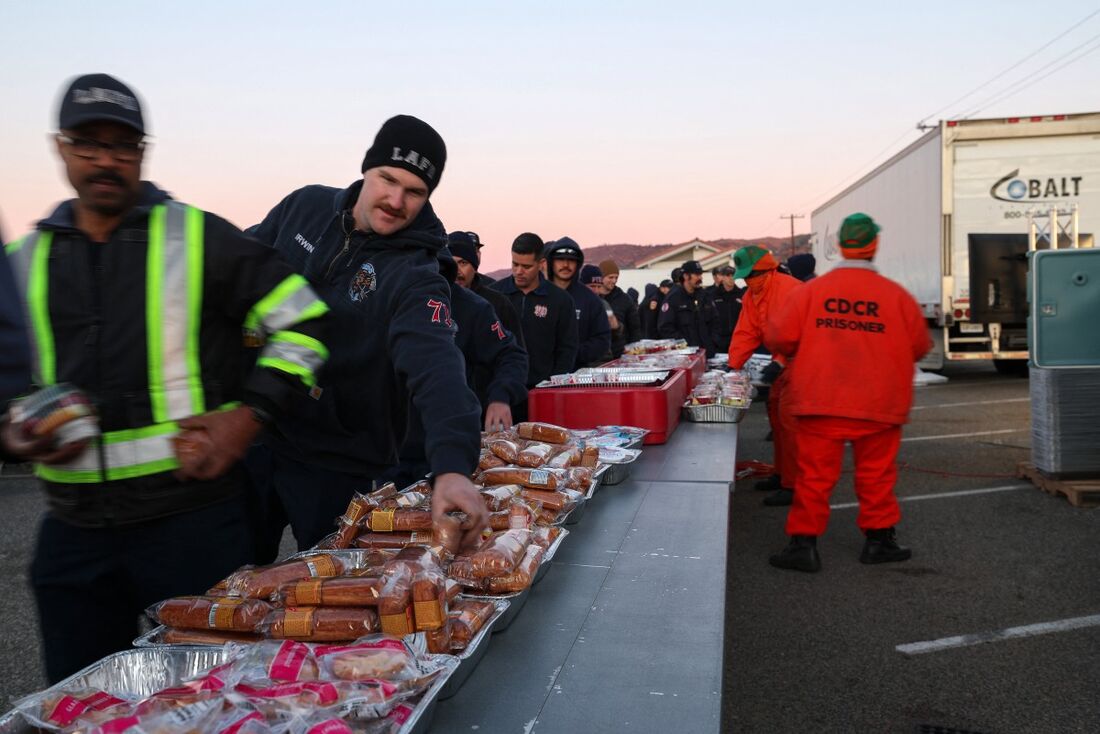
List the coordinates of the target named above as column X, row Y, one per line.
column 373, row 658
column 395, row 610
column 535, row 454
column 504, row 448
column 532, row 478
column 500, row 497
column 553, row 501
column 500, row 554
column 320, row 624
column 211, row 612
column 453, row 590
column 545, row 432
column 439, row 640
column 590, row 457
column 579, row 478
column 518, row 516
column 466, row 618
column 566, row 456
column 489, row 460
column 399, row 520
column 262, row 582
column 521, row 578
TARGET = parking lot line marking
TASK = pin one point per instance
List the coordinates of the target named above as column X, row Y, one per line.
column 940, row 495
column 1011, row 633
column 976, row 402
column 965, row 435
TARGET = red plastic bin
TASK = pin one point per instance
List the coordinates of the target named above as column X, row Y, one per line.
column 656, row 408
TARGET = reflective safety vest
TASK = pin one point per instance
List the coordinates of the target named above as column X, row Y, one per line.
column 173, row 316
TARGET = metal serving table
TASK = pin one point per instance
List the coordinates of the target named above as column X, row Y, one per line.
column 626, row 633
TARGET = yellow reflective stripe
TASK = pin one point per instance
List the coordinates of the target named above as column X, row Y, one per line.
column 313, row 310
column 303, row 373
column 38, row 305
column 270, row 303
column 13, row 247
column 93, row 476
column 154, row 316
column 195, row 254
column 302, row 340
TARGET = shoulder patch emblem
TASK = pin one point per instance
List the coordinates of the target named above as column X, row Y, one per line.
column 363, row 283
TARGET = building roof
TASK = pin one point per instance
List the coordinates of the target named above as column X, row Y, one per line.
column 674, row 251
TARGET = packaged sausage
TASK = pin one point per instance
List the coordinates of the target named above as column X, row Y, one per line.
column 447, row 535
column 407, row 500
column 532, row 478
column 262, row 582
column 283, row 662
column 232, row 614
column 534, row 454
column 372, row 657
column 465, row 619
column 400, row 520
column 544, row 432
column 394, row 540
column 337, row 591
column 500, row 553
column 517, row 516
column 320, row 624
column 175, row 636
column 552, row 501
column 504, row 449
column 521, row 578
column 359, row 507
column 500, row 497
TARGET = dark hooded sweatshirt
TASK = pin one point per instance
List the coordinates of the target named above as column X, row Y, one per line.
column 392, row 339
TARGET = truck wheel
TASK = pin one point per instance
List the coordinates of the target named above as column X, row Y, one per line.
column 1011, row 367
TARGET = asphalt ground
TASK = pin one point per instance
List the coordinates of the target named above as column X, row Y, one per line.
column 817, row 652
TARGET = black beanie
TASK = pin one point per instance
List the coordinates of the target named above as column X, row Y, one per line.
column 410, row 143
column 462, row 245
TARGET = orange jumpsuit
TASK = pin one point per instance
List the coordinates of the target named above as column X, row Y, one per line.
column 857, row 335
column 756, row 309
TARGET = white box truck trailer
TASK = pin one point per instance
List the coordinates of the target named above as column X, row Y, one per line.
column 955, row 208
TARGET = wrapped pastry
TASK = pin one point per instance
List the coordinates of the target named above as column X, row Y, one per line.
column 500, row 553
column 504, row 448
column 211, row 612
column 262, row 582
column 465, row 619
column 55, row 710
column 373, row 657
column 544, row 432
column 521, row 578
column 320, row 624
column 534, row 454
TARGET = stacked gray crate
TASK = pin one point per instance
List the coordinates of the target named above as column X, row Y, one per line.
column 1065, row 421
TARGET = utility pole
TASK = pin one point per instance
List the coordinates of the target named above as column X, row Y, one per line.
column 793, row 217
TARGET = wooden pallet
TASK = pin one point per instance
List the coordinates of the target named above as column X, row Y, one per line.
column 1079, row 492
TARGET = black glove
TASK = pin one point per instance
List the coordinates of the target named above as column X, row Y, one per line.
column 770, row 373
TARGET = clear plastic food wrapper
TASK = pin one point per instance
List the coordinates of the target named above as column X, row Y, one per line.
column 500, row 497
column 173, row 636
column 406, row 500
column 240, row 720
column 534, row 454
column 522, row 576
column 59, row 710
column 545, row 432
column 465, row 619
column 60, row 411
column 500, row 554
column 533, row 478
column 399, row 520
column 545, row 535
column 504, row 449
column 263, row 581
column 193, row 716
column 517, row 516
column 566, row 456
column 337, row 591
column 233, row 614
column 394, row 540
column 320, row 624
column 371, row 657
column 489, row 460
column 285, row 661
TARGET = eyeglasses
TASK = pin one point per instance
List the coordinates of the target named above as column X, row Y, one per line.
column 89, row 148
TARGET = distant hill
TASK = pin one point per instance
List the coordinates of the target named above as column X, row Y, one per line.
column 626, row 255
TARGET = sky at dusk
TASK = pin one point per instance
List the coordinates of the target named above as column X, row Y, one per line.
column 612, row 122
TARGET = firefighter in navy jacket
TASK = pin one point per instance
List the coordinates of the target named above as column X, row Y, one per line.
column 370, row 251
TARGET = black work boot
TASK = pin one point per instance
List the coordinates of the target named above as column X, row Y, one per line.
column 800, row 555
column 769, row 484
column 882, row 546
column 780, row 497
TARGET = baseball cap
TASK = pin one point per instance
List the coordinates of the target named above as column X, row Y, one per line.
column 96, row 98
column 857, row 230
column 691, row 266
column 724, row 270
